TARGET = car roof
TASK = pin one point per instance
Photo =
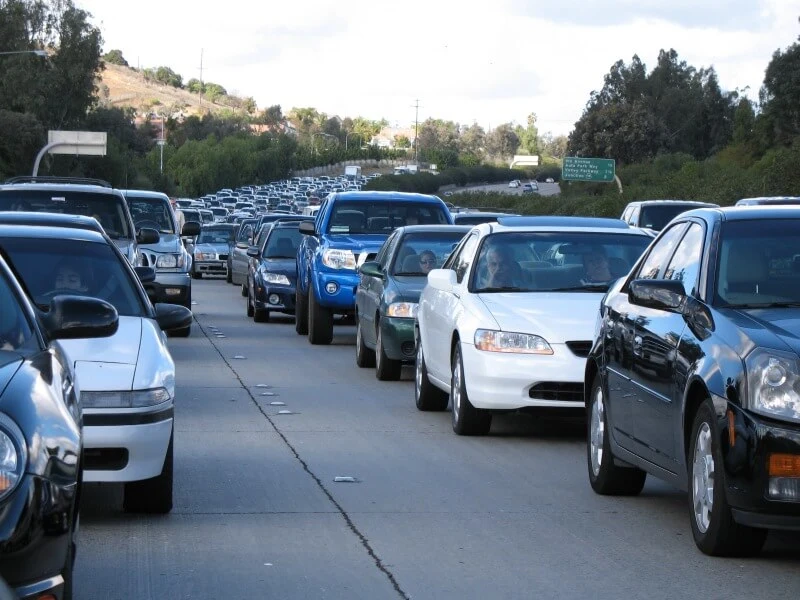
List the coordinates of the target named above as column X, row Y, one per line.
column 435, row 228
column 407, row 196
column 14, row 230
column 767, row 200
column 76, row 187
column 756, row 212
column 666, row 201
column 144, row 194
column 45, row 219
column 560, row 226
column 483, row 213
column 562, row 221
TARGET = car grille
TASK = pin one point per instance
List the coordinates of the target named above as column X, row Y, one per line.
column 557, row 390
column 223, row 257
column 581, row 349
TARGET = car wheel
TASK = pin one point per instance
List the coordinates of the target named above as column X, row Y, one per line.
column 244, row 290
column 365, row 357
column 320, row 321
column 260, row 315
column 715, row 531
column 467, row 420
column 604, row 476
column 229, row 276
column 250, row 309
column 196, row 275
column 300, row 312
column 427, row 396
column 386, row 369
column 67, row 571
column 154, row 495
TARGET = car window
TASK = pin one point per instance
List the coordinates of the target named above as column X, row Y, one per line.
column 16, row 332
column 109, row 209
column 245, row 234
column 386, row 250
column 282, row 242
column 464, row 258
column 657, row 216
column 685, row 263
column 383, row 216
column 151, row 212
column 214, row 235
column 50, row 267
column 652, row 266
column 420, row 252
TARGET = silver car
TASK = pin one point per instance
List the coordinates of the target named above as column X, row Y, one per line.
column 211, row 249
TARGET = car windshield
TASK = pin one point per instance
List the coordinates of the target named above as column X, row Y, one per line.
column 109, row 209
column 282, row 243
column 759, row 263
column 418, row 253
column 50, row 267
column 191, row 215
column 213, row 235
column 383, row 216
column 154, row 213
column 655, row 216
column 16, row 332
column 563, row 261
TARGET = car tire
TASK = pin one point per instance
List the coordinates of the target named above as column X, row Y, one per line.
column 365, row 358
column 250, row 310
column 244, row 290
column 604, row 476
column 320, row 321
column 152, row 496
column 300, row 312
column 67, row 571
column 229, row 276
column 386, row 369
column 427, row 396
column 467, row 420
column 260, row 315
column 715, row 531
column 197, row 275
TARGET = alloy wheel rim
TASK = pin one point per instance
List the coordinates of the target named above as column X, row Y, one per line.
column 418, row 371
column 358, row 338
column 703, row 478
column 597, row 432
column 456, row 388
column 378, row 349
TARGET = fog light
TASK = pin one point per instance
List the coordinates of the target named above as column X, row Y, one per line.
column 274, row 299
column 173, row 291
column 784, row 488
column 332, row 287
column 784, row 465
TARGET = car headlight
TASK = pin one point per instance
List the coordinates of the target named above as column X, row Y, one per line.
column 773, row 380
column 120, row 399
column 169, row 261
column 506, row 341
column 402, row 309
column 339, row 259
column 203, row 255
column 274, row 278
column 13, row 456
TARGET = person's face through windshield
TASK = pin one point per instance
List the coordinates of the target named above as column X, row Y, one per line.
column 68, row 278
column 499, row 268
column 427, row 261
column 596, row 265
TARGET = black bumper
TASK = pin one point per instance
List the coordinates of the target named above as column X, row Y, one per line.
column 35, row 534
column 285, row 297
column 747, row 469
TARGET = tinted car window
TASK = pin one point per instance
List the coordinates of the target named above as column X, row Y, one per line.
column 282, row 243
column 151, row 212
column 424, row 246
column 108, row 209
column 16, row 332
column 661, row 251
column 57, row 266
column 657, row 216
column 685, row 263
column 382, row 217
column 214, row 235
column 464, row 258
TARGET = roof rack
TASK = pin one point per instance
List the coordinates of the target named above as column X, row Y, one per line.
column 58, row 179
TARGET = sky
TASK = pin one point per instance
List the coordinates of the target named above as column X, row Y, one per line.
column 468, row 61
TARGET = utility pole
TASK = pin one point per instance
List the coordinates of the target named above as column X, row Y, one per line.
column 416, row 133
column 201, row 77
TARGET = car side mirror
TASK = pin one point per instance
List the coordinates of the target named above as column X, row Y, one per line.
column 145, row 274
column 254, row 252
column 190, row 229
column 372, row 269
column 307, row 228
column 442, row 279
column 660, row 294
column 74, row 317
column 172, row 316
column 147, row 235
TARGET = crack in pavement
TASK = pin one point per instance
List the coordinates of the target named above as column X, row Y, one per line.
column 350, row 524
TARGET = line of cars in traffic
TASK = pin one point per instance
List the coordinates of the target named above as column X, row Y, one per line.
column 89, row 280
column 680, row 346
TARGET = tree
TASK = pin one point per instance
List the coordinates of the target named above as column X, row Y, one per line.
column 214, row 91
column 195, row 86
column 472, row 140
column 402, row 141
column 438, row 141
column 780, row 94
column 555, row 146
column 529, row 136
column 502, row 142
column 115, row 57
column 167, row 76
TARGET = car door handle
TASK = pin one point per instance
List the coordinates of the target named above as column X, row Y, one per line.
column 637, row 345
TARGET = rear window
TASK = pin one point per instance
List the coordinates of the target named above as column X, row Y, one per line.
column 109, row 209
column 657, row 217
column 382, row 216
column 214, row 235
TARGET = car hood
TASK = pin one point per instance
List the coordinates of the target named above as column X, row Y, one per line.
column 357, row 243
column 9, row 365
column 281, row 266
column 218, row 248
column 127, row 248
column 168, row 242
column 107, row 363
column 409, row 287
column 557, row 317
column 768, row 327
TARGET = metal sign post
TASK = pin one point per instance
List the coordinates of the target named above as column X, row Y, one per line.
column 79, row 143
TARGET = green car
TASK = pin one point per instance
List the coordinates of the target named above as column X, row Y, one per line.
column 388, row 293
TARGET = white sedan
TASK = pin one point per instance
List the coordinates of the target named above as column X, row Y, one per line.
column 507, row 323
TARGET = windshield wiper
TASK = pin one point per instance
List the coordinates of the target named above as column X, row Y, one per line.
column 410, row 273
column 503, row 288
column 281, row 257
column 591, row 287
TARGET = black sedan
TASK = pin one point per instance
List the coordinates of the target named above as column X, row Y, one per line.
column 41, row 436
column 272, row 270
column 388, row 294
column 694, row 376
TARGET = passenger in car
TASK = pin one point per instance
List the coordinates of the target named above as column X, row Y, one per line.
column 427, row 261
column 501, row 269
column 69, row 278
column 596, row 267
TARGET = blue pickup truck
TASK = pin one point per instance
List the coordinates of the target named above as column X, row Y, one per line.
column 349, row 229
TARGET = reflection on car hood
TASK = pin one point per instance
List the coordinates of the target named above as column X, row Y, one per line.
column 409, row 287
column 357, row 243
column 9, row 365
column 281, row 266
column 218, row 248
column 168, row 242
column 557, row 317
column 768, row 327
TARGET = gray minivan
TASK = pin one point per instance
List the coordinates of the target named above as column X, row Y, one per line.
column 77, row 196
column 168, row 256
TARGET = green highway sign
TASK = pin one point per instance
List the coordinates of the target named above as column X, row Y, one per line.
column 587, row 169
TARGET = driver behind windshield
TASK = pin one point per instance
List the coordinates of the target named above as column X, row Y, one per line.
column 68, row 278
column 501, row 269
column 596, row 266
